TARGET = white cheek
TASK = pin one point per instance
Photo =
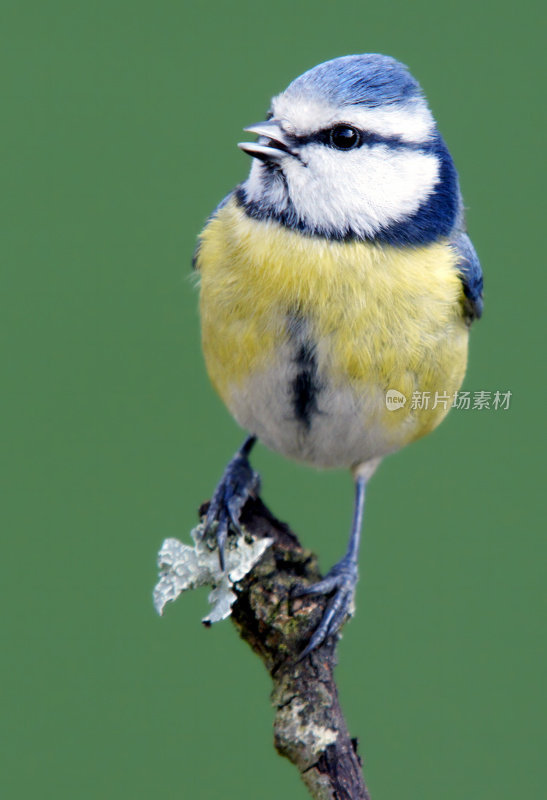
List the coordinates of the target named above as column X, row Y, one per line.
column 366, row 189
column 255, row 185
column 267, row 191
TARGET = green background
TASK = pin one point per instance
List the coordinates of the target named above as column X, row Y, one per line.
column 120, row 121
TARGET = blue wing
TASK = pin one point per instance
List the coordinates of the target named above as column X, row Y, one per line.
column 471, row 276
column 209, row 218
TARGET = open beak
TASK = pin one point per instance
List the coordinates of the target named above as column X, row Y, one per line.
column 272, row 144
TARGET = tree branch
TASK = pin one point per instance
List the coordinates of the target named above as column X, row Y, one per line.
column 309, row 727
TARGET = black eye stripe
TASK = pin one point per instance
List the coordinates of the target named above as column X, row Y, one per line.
column 365, row 138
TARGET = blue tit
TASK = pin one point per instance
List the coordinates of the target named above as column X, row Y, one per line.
column 337, row 275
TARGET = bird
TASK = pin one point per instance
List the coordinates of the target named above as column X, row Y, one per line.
column 337, row 285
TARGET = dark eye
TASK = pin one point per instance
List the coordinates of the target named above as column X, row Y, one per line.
column 344, row 137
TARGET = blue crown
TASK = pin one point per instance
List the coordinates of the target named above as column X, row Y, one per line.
column 370, row 80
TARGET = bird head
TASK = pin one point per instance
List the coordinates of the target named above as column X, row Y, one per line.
column 351, row 149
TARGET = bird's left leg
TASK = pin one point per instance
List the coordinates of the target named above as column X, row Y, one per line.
column 238, row 483
column 341, row 580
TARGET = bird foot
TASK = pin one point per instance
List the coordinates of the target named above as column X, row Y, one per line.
column 341, row 581
column 238, row 483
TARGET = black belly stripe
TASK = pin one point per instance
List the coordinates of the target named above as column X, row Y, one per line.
column 305, row 386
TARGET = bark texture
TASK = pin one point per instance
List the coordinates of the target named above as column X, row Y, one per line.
column 309, row 727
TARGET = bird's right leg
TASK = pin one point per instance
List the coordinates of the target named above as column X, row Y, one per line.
column 340, row 581
column 238, row 483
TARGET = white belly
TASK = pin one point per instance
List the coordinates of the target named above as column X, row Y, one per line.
column 344, row 428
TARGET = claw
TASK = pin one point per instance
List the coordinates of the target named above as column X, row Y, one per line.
column 222, row 536
column 342, row 579
column 238, row 483
column 326, row 586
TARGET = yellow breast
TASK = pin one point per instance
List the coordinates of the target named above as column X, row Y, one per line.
column 382, row 317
